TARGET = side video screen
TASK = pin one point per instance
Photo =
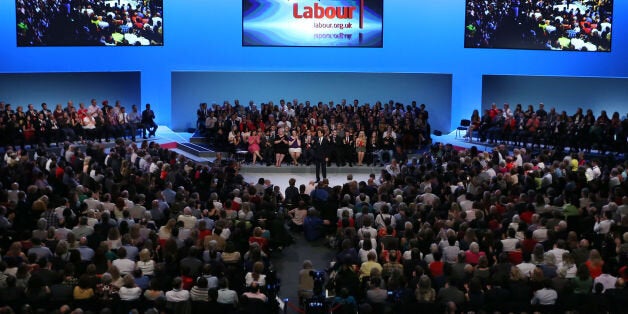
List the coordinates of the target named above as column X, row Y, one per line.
column 42, row 23
column 568, row 25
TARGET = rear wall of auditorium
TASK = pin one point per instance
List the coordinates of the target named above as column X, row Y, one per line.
column 419, row 37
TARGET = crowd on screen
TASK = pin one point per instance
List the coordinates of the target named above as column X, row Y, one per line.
column 89, row 23
column 92, row 122
column 287, row 132
column 577, row 131
column 527, row 24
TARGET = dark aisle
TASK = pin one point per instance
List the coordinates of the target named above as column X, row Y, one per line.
column 289, row 262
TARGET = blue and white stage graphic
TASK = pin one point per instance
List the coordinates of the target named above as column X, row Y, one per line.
column 313, row 23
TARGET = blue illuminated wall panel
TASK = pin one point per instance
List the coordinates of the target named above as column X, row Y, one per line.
column 562, row 93
column 419, row 37
column 58, row 88
column 189, row 89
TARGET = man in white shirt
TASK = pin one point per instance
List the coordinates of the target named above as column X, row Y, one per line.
column 123, row 120
column 490, row 171
column 518, row 158
column 226, row 295
column 606, row 24
column 428, row 197
column 510, row 244
column 608, row 281
column 344, row 208
column 189, row 221
column 153, row 167
column 545, row 296
column 93, row 109
column 290, row 112
column 125, row 196
column 593, row 171
column 603, row 223
column 451, row 250
column 177, row 294
column 507, row 112
column 138, row 209
column 578, row 42
column 157, row 20
column 540, row 234
column 526, row 268
column 61, row 233
column 393, row 168
column 83, row 229
column 622, row 210
column 124, row 265
column 107, row 205
column 465, row 202
column 92, row 203
column 596, row 169
column 559, row 251
column 91, row 218
column 366, row 228
column 12, row 193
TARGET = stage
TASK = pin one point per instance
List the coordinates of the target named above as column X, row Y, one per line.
column 180, row 143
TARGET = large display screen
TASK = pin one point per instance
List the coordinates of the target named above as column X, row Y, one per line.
column 313, row 23
column 541, row 25
column 89, row 23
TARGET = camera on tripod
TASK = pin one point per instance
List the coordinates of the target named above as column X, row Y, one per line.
column 273, row 284
column 319, row 281
column 318, row 302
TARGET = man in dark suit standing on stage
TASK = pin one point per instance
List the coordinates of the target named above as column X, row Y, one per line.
column 148, row 121
column 320, row 146
column 201, row 115
column 348, row 148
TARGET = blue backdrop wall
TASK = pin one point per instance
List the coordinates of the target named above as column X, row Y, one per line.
column 58, row 88
column 419, row 37
column 195, row 87
column 563, row 93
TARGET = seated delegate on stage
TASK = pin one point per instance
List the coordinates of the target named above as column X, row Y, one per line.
column 148, row 121
column 560, row 130
column 71, row 124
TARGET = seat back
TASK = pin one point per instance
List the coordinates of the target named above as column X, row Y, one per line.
column 465, row 122
column 201, row 307
column 182, row 307
column 222, row 308
column 253, row 305
column 126, row 306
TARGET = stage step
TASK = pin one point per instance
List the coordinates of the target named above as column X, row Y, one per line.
column 197, row 150
column 198, row 139
column 285, row 169
column 203, row 160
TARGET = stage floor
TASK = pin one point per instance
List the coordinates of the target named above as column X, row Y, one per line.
column 303, row 174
